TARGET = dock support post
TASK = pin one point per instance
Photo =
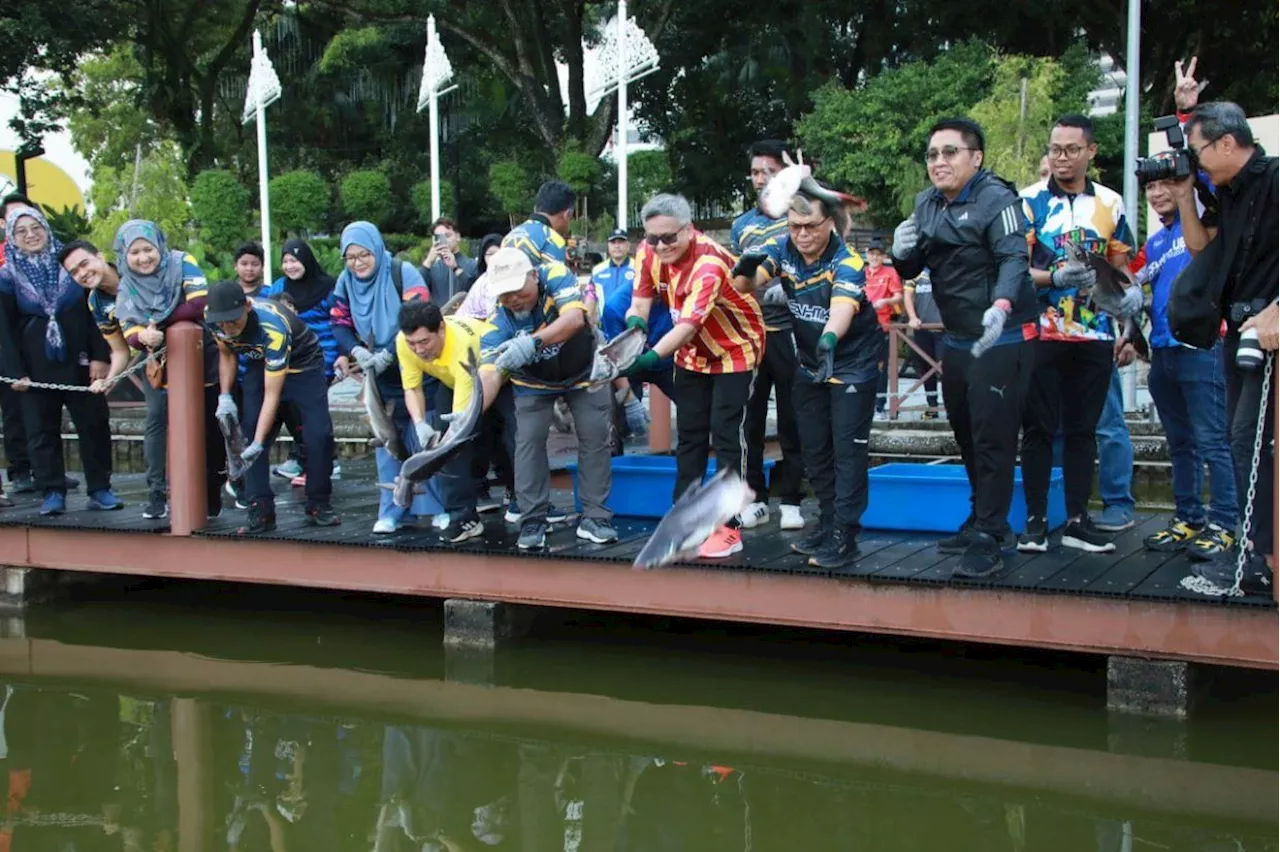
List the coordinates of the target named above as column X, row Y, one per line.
column 23, row 587
column 473, row 633
column 184, row 363
column 1150, row 687
column 659, row 421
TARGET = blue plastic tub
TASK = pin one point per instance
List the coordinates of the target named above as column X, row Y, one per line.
column 935, row 498
column 642, row 485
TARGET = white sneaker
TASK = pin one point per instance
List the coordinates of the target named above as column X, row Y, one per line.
column 440, row 521
column 384, row 526
column 337, row 471
column 755, row 515
column 791, row 519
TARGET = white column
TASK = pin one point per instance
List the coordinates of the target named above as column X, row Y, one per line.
column 623, row 70
column 433, row 116
column 264, row 200
column 1132, row 132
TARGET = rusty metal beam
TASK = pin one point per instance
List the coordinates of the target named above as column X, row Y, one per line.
column 1195, row 632
column 1158, row 783
column 184, row 357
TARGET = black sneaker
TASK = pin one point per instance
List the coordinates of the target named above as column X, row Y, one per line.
column 1217, row 577
column 157, row 508
column 982, row 559
column 1036, row 538
column 957, row 543
column 23, row 483
column 1174, row 537
column 839, row 550
column 811, row 543
column 460, row 531
column 533, row 535
column 262, row 518
column 322, row 516
column 1211, row 541
column 1081, row 534
column 487, row 502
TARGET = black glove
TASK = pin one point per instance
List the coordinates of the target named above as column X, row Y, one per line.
column 826, row 355
column 749, row 263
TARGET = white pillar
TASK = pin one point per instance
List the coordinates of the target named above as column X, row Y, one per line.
column 264, row 200
column 623, row 70
column 433, row 117
column 1132, row 133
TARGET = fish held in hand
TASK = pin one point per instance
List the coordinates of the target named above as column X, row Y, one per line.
column 229, row 424
column 385, row 433
column 422, row 465
column 702, row 509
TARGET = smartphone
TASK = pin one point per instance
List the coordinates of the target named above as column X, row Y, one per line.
column 439, row 239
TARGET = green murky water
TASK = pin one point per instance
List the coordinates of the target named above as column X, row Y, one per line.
column 207, row 717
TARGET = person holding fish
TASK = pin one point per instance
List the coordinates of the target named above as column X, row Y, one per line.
column 285, row 364
column 838, row 348
column 1075, row 352
column 541, row 340
column 366, row 319
column 432, row 345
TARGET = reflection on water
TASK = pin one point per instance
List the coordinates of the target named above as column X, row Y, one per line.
column 94, row 766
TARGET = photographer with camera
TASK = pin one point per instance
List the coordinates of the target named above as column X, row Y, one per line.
column 1234, row 279
column 448, row 271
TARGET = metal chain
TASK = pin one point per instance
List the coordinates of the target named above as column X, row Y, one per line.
column 123, row 374
column 1246, row 525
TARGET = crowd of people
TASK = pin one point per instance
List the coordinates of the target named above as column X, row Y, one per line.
column 789, row 308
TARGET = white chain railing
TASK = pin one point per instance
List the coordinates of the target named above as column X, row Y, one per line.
column 123, row 374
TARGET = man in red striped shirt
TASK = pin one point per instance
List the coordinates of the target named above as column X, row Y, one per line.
column 717, row 341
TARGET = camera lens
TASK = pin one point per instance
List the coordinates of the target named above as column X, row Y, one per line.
column 1249, row 353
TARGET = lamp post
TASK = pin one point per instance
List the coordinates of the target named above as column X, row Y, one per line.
column 264, row 90
column 436, row 73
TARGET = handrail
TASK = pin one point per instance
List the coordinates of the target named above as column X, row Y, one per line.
column 898, row 330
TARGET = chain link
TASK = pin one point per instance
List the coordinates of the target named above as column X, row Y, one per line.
column 1246, row 525
column 123, row 374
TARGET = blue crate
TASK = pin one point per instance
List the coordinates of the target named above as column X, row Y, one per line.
column 935, row 498
column 642, row 485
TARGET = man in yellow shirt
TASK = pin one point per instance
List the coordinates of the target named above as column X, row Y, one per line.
column 434, row 346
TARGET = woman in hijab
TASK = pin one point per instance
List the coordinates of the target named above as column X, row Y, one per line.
column 308, row 290
column 159, row 287
column 366, row 320
column 479, row 304
column 49, row 336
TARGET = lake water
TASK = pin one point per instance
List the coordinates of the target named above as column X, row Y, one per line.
column 210, row 717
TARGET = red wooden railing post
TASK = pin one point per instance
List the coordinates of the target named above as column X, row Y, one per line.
column 659, row 421
column 892, row 367
column 184, row 357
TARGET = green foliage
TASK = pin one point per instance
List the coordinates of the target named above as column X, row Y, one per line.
column 420, row 196
column 579, row 170
column 161, row 197
column 106, row 122
column 367, row 195
column 299, row 202
column 648, row 173
column 220, row 204
column 871, row 140
column 1016, row 139
column 510, row 184
column 329, row 257
column 352, row 49
column 68, row 224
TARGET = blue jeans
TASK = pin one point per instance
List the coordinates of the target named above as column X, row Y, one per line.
column 1115, row 451
column 1190, row 393
column 424, row 505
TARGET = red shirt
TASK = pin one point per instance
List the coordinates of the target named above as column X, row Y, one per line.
column 730, row 326
column 883, row 282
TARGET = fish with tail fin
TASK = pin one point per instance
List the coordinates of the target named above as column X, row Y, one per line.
column 385, row 433
column 229, row 425
column 702, row 509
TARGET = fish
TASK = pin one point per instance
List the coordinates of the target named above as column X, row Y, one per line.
column 614, row 357
column 385, row 433
column 1108, row 291
column 423, row 465
column 776, row 197
column 450, row 307
column 702, row 509
column 229, row 424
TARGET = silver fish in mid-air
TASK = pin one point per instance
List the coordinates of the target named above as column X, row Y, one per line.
column 1108, row 290
column 229, row 424
column 699, row 512
column 385, row 433
column 614, row 357
column 422, row 465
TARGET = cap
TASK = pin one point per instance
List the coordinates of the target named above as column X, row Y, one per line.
column 619, row 234
column 226, row 302
column 508, row 269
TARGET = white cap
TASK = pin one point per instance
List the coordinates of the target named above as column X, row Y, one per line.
column 507, row 271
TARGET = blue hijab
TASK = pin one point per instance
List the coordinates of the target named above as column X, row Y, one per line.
column 146, row 299
column 375, row 304
column 40, row 281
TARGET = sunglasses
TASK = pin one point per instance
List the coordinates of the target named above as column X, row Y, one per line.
column 665, row 239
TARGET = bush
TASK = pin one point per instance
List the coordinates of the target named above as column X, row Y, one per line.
column 220, row 204
column 510, row 184
column 367, row 195
column 299, row 202
column 420, row 196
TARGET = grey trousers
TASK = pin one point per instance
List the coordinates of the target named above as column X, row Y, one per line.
column 593, row 424
column 155, row 439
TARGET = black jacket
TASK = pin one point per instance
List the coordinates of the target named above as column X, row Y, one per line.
column 975, row 249
column 1249, row 223
column 22, row 348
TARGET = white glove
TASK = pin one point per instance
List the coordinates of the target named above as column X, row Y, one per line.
column 381, row 360
column 226, row 406
column 992, row 327
column 775, row 295
column 516, row 353
column 637, row 417
column 1132, row 302
column 251, row 453
column 362, row 356
column 426, row 434
column 1073, row 278
column 905, row 238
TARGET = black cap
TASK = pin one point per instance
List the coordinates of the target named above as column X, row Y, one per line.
column 226, row 302
column 619, row 234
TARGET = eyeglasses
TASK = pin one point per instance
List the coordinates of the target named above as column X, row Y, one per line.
column 23, row 233
column 1068, row 151
column 357, row 258
column 665, row 239
column 799, row 228
column 947, row 153
column 1196, row 151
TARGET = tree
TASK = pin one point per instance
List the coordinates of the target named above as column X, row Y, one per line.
column 420, row 195
column 367, row 195
column 510, row 184
column 107, row 121
column 157, row 192
column 220, row 204
column 299, row 202
column 648, row 173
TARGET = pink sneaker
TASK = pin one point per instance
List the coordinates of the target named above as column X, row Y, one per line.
column 299, row 481
column 725, row 541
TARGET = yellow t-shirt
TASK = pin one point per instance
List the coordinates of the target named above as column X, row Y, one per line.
column 450, row 367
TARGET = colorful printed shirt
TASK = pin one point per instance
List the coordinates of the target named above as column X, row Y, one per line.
column 883, row 282
column 755, row 228
column 461, row 341
column 537, row 239
column 730, row 336
column 102, row 307
column 1094, row 219
column 556, row 367
column 837, row 276
column 276, row 337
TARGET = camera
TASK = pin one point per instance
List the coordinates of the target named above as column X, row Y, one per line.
column 1178, row 165
column 1249, row 354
